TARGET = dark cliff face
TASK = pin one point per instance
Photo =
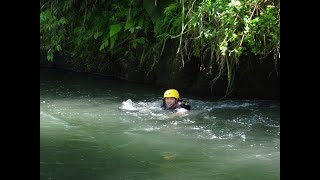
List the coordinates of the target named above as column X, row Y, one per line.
column 258, row 78
column 261, row 83
column 254, row 79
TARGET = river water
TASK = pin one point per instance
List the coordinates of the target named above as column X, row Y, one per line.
column 98, row 128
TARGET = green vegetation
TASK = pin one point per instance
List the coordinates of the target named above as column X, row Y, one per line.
column 103, row 35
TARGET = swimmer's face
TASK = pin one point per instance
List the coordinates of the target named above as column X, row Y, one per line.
column 170, row 101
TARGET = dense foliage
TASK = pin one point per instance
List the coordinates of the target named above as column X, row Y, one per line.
column 100, row 35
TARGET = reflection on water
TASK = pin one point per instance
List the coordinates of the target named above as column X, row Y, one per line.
column 100, row 128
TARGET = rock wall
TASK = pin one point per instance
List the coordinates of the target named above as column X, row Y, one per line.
column 254, row 80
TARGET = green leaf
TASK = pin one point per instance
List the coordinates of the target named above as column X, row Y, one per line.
column 58, row 48
column 140, row 23
column 137, row 41
column 134, row 44
column 131, row 30
column 104, row 44
column 97, row 34
column 62, row 21
column 114, row 29
column 50, row 57
column 171, row 8
column 102, row 47
column 78, row 30
column 129, row 24
column 255, row 20
column 140, row 40
column 112, row 41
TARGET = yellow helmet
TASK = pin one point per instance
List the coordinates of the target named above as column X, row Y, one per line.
column 171, row 93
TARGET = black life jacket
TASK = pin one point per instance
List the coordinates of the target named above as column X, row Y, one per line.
column 185, row 105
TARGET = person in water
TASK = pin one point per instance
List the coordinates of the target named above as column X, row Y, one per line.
column 171, row 101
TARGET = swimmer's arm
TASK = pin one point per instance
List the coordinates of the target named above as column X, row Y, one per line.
column 181, row 111
column 178, row 112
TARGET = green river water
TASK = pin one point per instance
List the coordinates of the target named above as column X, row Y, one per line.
column 99, row 128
